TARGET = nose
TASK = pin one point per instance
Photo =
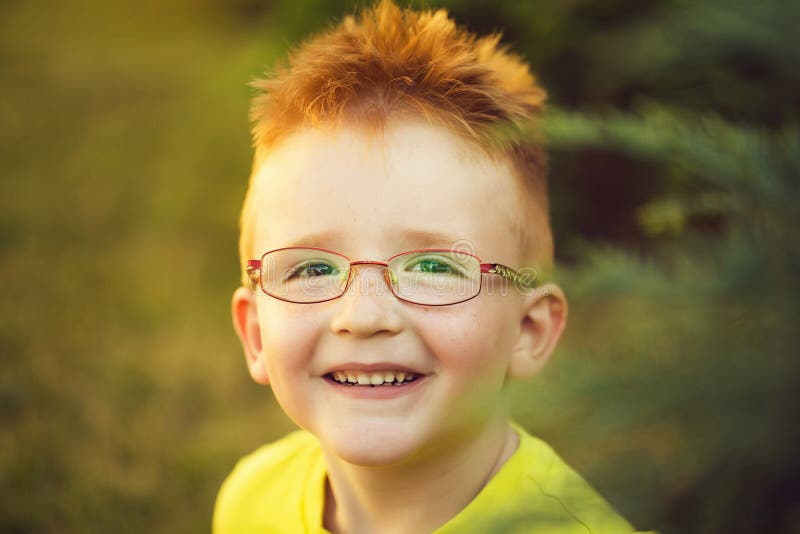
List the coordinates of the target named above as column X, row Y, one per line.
column 368, row 305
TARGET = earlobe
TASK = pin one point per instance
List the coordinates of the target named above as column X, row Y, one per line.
column 245, row 322
column 544, row 319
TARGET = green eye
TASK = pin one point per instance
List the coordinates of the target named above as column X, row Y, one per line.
column 312, row 270
column 431, row 266
column 435, row 266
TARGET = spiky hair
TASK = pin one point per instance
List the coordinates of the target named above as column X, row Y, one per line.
column 388, row 62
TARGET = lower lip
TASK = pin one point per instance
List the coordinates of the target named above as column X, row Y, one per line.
column 377, row 392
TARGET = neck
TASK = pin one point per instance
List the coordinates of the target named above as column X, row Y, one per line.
column 397, row 499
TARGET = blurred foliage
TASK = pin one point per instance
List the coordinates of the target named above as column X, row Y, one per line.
column 124, row 156
column 681, row 363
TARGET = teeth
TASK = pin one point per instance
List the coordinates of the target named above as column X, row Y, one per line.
column 376, row 378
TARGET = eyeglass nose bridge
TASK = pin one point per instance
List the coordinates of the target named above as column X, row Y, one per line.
column 388, row 275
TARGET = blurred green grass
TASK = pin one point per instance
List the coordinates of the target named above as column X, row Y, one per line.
column 125, row 154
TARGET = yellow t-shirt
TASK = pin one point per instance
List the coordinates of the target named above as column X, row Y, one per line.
column 280, row 488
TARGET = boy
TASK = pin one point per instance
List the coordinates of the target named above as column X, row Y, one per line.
column 384, row 300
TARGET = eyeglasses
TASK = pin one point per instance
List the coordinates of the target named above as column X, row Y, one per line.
column 431, row 277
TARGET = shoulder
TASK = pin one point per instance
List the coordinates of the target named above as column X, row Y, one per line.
column 536, row 491
column 297, row 445
column 547, row 474
column 267, row 485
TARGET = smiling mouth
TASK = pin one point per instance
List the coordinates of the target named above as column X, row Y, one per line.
column 373, row 378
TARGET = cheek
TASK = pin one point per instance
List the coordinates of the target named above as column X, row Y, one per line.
column 288, row 337
column 472, row 342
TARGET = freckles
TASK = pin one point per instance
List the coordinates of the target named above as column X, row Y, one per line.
column 447, row 322
column 465, row 340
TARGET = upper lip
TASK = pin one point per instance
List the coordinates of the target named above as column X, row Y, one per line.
column 369, row 367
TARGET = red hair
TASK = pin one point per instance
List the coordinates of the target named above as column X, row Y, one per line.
column 392, row 62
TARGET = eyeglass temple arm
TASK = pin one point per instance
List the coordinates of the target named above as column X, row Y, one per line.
column 254, row 274
column 525, row 280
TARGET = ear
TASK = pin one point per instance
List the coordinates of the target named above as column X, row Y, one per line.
column 245, row 322
column 545, row 316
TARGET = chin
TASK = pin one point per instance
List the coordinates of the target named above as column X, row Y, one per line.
column 371, row 458
column 372, row 446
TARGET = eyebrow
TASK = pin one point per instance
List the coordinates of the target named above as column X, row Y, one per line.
column 426, row 238
column 415, row 237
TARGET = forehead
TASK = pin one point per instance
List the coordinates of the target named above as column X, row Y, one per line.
column 416, row 186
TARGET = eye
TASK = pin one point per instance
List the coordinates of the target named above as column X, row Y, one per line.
column 313, row 269
column 435, row 265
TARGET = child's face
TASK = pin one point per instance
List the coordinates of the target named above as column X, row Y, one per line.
column 368, row 199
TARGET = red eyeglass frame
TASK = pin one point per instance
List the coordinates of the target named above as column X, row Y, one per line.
column 253, row 270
